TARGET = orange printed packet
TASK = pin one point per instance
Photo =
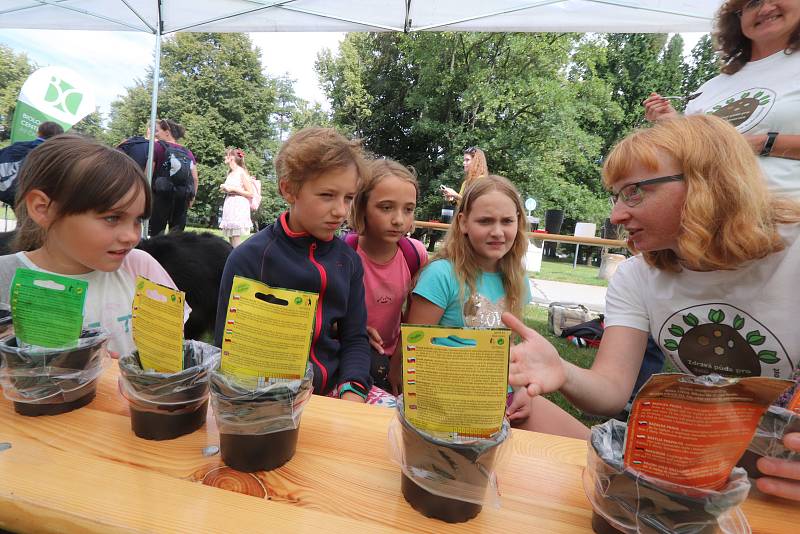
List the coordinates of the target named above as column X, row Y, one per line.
column 794, row 402
column 692, row 430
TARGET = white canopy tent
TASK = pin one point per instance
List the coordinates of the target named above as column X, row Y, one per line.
column 161, row 17
column 169, row 16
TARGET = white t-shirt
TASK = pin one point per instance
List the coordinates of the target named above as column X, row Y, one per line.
column 109, row 296
column 743, row 322
column 764, row 96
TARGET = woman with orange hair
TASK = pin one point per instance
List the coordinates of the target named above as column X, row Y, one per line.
column 714, row 247
column 474, row 168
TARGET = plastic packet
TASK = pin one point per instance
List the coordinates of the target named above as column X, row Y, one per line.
column 40, row 375
column 6, row 321
column 633, row 503
column 154, row 392
column 273, row 407
column 462, row 469
column 774, row 425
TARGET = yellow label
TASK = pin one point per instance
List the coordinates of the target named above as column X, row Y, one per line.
column 268, row 331
column 455, row 380
column 158, row 326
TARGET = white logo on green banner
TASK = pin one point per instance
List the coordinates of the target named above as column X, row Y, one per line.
column 54, row 94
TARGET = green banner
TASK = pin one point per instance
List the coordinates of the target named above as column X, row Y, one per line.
column 54, row 94
column 26, row 121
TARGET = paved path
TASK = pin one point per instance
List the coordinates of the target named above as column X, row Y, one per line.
column 547, row 291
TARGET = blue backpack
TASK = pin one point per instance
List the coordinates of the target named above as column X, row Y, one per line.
column 11, row 159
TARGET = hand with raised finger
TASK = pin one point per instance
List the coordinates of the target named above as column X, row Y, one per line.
column 781, row 477
column 535, row 363
column 657, row 108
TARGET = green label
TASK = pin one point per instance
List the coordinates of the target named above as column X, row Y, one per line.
column 27, row 120
column 47, row 309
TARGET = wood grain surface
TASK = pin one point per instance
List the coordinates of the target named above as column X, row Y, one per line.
column 85, row 471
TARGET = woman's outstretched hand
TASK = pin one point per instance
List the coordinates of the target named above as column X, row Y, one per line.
column 781, row 477
column 535, row 363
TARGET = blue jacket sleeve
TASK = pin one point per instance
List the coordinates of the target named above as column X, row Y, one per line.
column 355, row 353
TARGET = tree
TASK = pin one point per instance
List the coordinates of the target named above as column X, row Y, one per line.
column 213, row 85
column 14, row 70
column 91, row 125
column 702, row 67
column 422, row 98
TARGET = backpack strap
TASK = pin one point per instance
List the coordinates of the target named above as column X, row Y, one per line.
column 411, row 254
column 351, row 238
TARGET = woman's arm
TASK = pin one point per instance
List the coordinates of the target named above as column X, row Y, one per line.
column 604, row 389
column 786, row 145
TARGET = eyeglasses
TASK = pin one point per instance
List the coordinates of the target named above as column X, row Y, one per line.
column 471, row 150
column 753, row 5
column 632, row 194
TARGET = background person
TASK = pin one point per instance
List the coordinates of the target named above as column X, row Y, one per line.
column 175, row 182
column 474, row 167
column 13, row 156
column 757, row 91
column 238, row 188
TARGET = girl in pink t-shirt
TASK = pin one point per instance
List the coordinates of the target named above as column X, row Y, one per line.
column 382, row 214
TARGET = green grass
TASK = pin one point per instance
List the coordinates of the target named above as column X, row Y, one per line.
column 536, row 318
column 562, row 271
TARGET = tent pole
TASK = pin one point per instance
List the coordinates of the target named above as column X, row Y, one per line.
column 153, row 104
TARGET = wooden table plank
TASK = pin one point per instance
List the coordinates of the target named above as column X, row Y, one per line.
column 85, row 471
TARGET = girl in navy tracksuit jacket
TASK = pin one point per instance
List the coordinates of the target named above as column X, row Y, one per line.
column 318, row 171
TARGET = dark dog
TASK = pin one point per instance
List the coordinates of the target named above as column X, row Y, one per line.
column 194, row 261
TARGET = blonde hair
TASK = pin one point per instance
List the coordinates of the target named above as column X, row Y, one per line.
column 238, row 157
column 376, row 171
column 458, row 249
column 729, row 217
column 477, row 166
column 312, row 151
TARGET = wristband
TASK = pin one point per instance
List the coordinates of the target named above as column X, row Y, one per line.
column 353, row 387
column 771, row 136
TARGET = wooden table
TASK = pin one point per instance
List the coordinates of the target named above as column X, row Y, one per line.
column 85, row 471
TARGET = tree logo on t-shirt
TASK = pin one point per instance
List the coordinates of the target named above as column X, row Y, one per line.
column 719, row 338
column 745, row 109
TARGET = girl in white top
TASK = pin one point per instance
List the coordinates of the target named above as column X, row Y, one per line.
column 80, row 207
column 238, row 187
column 715, row 283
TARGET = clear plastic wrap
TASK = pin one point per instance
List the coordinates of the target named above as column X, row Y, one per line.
column 272, row 407
column 6, row 322
column 169, row 405
column 42, row 376
column 632, row 503
column 157, row 392
column 462, row 470
column 774, row 425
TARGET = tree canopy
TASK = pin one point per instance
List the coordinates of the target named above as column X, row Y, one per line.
column 545, row 108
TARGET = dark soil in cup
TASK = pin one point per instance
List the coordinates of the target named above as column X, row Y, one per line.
column 264, row 420
column 263, row 452
column 430, row 505
column 168, row 405
column 63, row 394
column 35, row 410
column 463, row 462
column 657, row 509
column 168, row 425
